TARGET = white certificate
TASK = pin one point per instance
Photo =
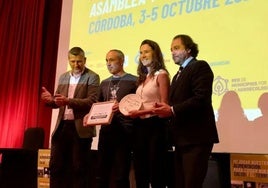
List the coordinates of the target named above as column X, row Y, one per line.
column 130, row 102
column 101, row 113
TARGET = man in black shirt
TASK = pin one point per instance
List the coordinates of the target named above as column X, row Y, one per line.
column 114, row 146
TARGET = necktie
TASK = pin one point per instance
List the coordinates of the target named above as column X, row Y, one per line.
column 179, row 72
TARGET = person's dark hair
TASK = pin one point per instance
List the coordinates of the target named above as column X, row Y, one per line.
column 189, row 44
column 76, row 51
column 120, row 54
column 157, row 61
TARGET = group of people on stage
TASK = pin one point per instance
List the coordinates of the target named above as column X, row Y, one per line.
column 175, row 113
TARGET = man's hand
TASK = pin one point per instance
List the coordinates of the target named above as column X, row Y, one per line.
column 46, row 95
column 162, row 110
column 61, row 100
column 115, row 106
column 85, row 119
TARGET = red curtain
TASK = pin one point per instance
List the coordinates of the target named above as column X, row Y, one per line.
column 28, row 52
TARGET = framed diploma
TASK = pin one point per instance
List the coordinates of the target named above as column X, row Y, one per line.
column 101, row 113
column 130, row 102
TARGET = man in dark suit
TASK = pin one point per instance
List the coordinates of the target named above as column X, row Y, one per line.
column 71, row 141
column 193, row 126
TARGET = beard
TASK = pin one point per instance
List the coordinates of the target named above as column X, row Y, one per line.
column 77, row 71
column 114, row 69
column 179, row 57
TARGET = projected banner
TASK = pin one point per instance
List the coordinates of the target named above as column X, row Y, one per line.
column 232, row 38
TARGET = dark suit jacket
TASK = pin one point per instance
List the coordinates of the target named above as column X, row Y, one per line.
column 85, row 95
column 190, row 96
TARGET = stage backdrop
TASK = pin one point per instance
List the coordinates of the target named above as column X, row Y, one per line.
column 232, row 38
